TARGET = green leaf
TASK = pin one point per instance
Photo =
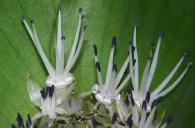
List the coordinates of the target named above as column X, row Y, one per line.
column 105, row 18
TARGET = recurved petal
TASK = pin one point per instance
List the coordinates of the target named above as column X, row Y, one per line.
column 34, row 91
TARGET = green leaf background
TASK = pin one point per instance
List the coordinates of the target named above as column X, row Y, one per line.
column 105, row 18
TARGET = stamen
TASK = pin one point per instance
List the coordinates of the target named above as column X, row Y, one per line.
column 80, row 43
column 110, row 62
column 154, row 63
column 131, row 68
column 114, row 117
column 59, row 48
column 41, row 52
column 74, row 43
column 99, row 75
column 143, row 119
column 170, row 76
column 171, row 87
column 135, row 59
column 150, row 118
column 124, row 82
column 122, row 71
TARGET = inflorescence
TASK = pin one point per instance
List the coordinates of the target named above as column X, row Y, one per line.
column 108, row 104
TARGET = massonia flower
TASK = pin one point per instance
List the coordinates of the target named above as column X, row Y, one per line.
column 45, row 99
column 54, row 98
column 129, row 115
column 141, row 93
column 141, row 119
column 60, row 77
column 109, row 90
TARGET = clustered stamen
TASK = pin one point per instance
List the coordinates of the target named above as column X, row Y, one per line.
column 112, row 82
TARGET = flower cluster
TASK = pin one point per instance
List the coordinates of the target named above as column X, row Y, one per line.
column 139, row 106
column 60, row 82
column 105, row 105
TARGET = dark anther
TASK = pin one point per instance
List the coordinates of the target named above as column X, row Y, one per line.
column 129, row 121
column 127, row 100
column 129, row 92
column 161, row 34
column 135, row 24
column 32, row 21
column 95, row 49
column 156, row 102
column 134, row 61
column 148, row 97
column 132, row 100
column 114, row 117
column 20, row 120
column 114, row 40
column 144, row 105
column 98, row 66
column 168, row 120
column 13, row 126
column 114, row 67
column 189, row 64
column 51, row 90
column 80, row 10
column 29, row 118
column 23, row 18
column 43, row 93
column 85, row 28
column 63, row 38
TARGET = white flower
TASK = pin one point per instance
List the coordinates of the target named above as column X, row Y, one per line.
column 60, row 78
column 141, row 93
column 129, row 114
column 45, row 99
column 109, row 90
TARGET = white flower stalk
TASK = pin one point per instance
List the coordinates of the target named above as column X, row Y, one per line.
column 60, row 77
column 141, row 92
column 109, row 90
